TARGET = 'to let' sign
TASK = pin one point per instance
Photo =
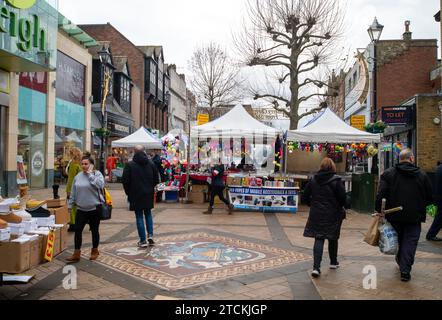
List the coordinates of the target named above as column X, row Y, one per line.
column 21, row 4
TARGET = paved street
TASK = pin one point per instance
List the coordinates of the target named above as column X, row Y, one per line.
column 276, row 266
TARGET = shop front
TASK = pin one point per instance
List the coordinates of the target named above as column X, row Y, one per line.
column 28, row 41
column 70, row 111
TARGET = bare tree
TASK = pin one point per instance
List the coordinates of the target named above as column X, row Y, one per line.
column 215, row 77
column 297, row 37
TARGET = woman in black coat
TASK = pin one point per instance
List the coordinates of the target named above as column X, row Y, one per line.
column 325, row 194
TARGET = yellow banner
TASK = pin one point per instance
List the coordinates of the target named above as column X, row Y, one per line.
column 49, row 252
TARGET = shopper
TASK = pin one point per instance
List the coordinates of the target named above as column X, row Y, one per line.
column 217, row 188
column 437, row 224
column 325, row 195
column 86, row 195
column 73, row 169
column 140, row 178
column 408, row 187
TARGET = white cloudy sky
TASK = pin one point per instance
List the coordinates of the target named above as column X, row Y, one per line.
column 182, row 25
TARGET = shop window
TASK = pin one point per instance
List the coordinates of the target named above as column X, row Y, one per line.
column 65, row 140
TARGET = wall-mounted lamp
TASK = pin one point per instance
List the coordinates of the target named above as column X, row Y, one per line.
column 54, row 84
column 91, row 99
column 436, row 121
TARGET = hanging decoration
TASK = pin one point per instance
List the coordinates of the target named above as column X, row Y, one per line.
column 333, row 150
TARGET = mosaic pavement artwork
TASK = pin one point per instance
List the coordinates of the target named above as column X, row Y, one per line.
column 184, row 261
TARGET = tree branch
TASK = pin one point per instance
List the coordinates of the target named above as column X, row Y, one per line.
column 261, row 96
column 313, row 111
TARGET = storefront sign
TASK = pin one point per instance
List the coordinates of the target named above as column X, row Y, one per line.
column 358, row 122
column 264, row 199
column 28, row 31
column 120, row 128
column 203, row 119
column 397, row 116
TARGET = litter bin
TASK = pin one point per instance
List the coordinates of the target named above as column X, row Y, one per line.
column 363, row 192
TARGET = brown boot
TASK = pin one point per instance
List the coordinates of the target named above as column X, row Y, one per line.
column 230, row 209
column 75, row 257
column 94, row 254
column 209, row 211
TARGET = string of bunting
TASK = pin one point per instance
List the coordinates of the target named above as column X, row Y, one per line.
column 360, row 149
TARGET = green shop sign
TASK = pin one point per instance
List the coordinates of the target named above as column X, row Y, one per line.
column 21, row 4
column 28, row 35
column 28, row 32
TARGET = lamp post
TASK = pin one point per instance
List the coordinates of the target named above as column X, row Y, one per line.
column 104, row 56
column 375, row 32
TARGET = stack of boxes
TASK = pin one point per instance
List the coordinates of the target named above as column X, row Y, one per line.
column 24, row 244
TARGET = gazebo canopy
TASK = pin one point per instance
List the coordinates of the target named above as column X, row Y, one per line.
column 237, row 123
column 140, row 138
column 329, row 128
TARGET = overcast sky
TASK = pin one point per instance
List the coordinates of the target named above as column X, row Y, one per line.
column 182, row 25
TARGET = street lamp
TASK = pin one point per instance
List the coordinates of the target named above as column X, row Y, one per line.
column 375, row 32
column 104, row 56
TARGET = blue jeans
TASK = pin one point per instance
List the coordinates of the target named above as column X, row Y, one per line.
column 436, row 227
column 140, row 215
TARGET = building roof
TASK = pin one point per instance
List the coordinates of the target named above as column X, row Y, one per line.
column 151, row 50
column 119, row 63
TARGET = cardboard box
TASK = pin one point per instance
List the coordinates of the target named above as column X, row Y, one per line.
column 199, row 188
column 197, row 197
column 35, row 252
column 55, row 203
column 64, row 238
column 45, row 222
column 18, row 257
column 17, row 229
column 61, row 214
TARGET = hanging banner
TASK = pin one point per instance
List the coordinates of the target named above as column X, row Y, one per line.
column 264, row 199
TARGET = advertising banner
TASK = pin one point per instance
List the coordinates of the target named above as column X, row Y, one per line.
column 265, row 199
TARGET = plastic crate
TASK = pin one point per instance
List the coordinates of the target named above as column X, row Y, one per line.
column 172, row 196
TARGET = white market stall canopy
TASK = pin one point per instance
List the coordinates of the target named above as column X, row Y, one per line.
column 329, row 128
column 238, row 123
column 140, row 138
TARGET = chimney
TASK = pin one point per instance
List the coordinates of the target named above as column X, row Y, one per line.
column 407, row 34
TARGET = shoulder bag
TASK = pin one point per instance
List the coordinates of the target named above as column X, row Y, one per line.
column 103, row 209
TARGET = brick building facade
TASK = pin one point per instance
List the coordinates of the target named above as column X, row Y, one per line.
column 153, row 113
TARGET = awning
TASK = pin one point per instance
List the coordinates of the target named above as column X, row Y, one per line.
column 75, row 32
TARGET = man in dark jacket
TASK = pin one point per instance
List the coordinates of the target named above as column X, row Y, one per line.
column 140, row 178
column 437, row 224
column 217, row 188
column 409, row 187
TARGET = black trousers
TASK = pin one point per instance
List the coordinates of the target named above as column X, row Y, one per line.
column 409, row 235
column 93, row 219
column 318, row 252
column 217, row 191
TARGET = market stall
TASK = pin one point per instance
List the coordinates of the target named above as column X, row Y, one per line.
column 329, row 136
column 246, row 147
column 142, row 137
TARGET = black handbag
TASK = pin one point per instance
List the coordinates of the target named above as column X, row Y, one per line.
column 104, row 210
